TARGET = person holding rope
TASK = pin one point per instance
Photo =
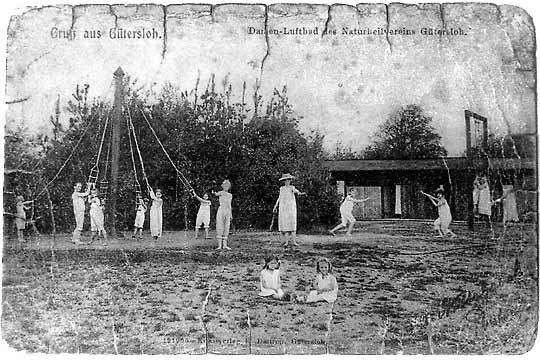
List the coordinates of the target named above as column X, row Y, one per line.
column 20, row 220
column 78, row 198
column 156, row 213
column 97, row 219
column 139, row 217
column 203, row 215
column 442, row 223
column 224, row 215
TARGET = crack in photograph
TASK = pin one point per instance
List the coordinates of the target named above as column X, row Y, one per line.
column 270, row 179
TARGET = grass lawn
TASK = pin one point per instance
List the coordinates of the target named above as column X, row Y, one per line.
column 179, row 295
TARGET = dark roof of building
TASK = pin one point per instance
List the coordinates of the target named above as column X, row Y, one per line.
column 456, row 163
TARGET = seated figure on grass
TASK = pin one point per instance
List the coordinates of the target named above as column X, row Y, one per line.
column 325, row 284
column 270, row 280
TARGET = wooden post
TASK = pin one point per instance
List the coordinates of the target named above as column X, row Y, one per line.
column 116, row 123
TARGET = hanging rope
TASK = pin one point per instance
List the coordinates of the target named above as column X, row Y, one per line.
column 185, row 182
column 67, row 159
column 128, row 124
column 104, row 184
column 138, row 149
column 94, row 171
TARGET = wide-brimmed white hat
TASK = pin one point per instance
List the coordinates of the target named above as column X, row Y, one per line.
column 286, row 177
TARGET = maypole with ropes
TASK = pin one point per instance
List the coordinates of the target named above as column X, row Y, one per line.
column 115, row 144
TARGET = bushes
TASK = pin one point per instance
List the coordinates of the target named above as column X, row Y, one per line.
column 209, row 138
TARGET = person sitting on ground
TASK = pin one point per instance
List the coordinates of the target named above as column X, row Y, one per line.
column 270, row 279
column 346, row 210
column 325, row 284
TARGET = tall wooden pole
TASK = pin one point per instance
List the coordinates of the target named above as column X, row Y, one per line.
column 115, row 144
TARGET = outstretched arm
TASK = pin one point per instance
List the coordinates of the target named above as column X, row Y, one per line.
column 201, row 200
column 361, row 200
column 433, row 199
column 151, row 192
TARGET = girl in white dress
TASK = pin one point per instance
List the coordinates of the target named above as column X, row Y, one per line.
column 442, row 223
column 270, row 281
column 20, row 219
column 482, row 199
column 97, row 224
column 508, row 200
column 325, row 283
column 156, row 213
column 286, row 203
column 203, row 215
column 224, row 215
column 139, row 217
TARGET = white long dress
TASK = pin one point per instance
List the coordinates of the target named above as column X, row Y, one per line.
column 96, row 215
column 445, row 216
column 482, row 198
column 139, row 218
column 287, row 208
column 327, row 282
column 510, row 212
column 20, row 220
column 156, row 215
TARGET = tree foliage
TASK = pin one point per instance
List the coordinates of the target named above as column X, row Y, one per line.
column 209, row 138
column 407, row 134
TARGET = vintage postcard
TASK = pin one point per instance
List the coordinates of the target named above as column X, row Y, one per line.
column 270, row 178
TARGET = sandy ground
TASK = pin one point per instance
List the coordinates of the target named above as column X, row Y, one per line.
column 179, row 295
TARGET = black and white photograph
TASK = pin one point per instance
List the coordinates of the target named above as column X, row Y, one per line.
column 270, row 178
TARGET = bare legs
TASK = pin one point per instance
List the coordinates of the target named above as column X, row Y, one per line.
column 343, row 226
column 289, row 236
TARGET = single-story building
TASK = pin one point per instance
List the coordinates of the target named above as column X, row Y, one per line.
column 394, row 186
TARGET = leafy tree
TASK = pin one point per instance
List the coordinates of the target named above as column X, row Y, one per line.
column 407, row 134
column 503, row 147
column 209, row 138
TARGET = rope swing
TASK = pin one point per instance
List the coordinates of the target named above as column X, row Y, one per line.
column 181, row 176
column 94, row 171
column 45, row 188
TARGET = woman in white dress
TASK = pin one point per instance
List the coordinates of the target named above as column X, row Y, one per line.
column 20, row 219
column 286, row 203
column 508, row 200
column 156, row 213
column 482, row 199
column 325, row 284
column 270, row 280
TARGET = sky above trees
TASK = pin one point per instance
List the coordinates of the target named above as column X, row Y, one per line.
column 343, row 86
